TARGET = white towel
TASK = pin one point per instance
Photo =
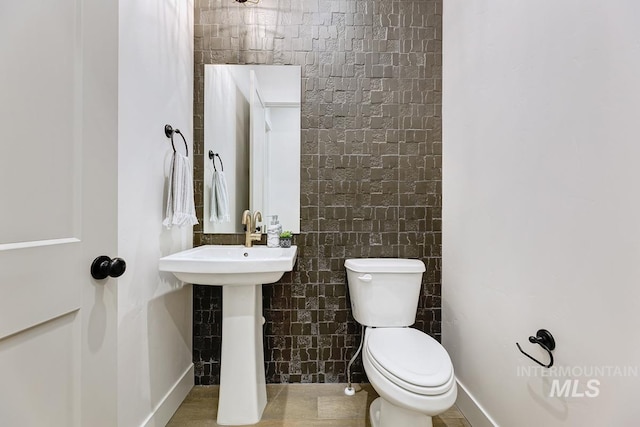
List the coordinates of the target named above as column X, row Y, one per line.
column 219, row 199
column 180, row 205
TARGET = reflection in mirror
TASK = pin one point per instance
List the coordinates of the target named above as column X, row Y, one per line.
column 252, row 122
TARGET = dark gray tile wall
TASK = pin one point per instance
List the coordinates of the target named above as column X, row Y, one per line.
column 371, row 165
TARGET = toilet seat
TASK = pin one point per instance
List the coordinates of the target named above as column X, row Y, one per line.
column 410, row 359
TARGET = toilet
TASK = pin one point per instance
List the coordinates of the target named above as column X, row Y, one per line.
column 410, row 371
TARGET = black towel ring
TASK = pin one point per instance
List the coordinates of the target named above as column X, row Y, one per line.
column 169, row 131
column 213, row 156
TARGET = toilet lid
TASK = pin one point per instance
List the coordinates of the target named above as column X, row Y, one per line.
column 410, row 356
column 385, row 265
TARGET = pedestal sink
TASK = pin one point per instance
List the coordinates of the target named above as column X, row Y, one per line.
column 240, row 271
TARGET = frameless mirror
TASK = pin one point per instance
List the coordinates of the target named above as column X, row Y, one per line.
column 251, row 145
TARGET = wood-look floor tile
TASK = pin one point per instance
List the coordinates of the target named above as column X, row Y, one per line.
column 452, row 413
column 291, row 405
column 450, row 422
column 312, row 423
column 342, row 407
column 299, row 405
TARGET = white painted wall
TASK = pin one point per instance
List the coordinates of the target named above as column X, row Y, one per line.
column 155, row 88
column 541, row 205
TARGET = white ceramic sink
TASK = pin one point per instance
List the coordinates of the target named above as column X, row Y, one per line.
column 241, row 272
column 230, row 264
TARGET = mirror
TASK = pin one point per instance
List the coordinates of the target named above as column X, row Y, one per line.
column 251, row 145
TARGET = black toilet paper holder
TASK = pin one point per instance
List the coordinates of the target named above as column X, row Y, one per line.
column 545, row 340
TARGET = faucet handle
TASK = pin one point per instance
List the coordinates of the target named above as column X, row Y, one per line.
column 257, row 217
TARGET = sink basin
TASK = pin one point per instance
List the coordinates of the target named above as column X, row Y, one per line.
column 241, row 272
column 230, row 264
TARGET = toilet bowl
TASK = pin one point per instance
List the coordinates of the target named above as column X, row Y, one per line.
column 410, row 370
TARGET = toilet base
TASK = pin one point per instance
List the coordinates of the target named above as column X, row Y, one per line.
column 385, row 414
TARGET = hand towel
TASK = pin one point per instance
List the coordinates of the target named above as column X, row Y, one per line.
column 219, row 198
column 181, row 209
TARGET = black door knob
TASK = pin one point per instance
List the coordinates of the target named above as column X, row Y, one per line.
column 103, row 267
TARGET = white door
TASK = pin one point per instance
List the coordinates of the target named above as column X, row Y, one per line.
column 58, row 192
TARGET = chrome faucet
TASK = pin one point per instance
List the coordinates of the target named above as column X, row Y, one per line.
column 250, row 234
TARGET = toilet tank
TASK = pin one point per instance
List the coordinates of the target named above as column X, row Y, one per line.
column 384, row 292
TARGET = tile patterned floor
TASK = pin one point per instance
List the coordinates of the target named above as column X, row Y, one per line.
column 299, row 405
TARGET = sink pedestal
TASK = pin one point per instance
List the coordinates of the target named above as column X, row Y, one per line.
column 241, row 272
column 243, row 390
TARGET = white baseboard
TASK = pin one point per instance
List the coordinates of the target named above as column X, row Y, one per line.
column 471, row 409
column 168, row 405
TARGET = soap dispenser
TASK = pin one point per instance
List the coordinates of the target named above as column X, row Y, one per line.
column 273, row 232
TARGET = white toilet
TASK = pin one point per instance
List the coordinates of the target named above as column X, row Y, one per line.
column 411, row 371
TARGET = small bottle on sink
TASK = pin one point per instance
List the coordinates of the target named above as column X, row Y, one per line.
column 273, row 232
